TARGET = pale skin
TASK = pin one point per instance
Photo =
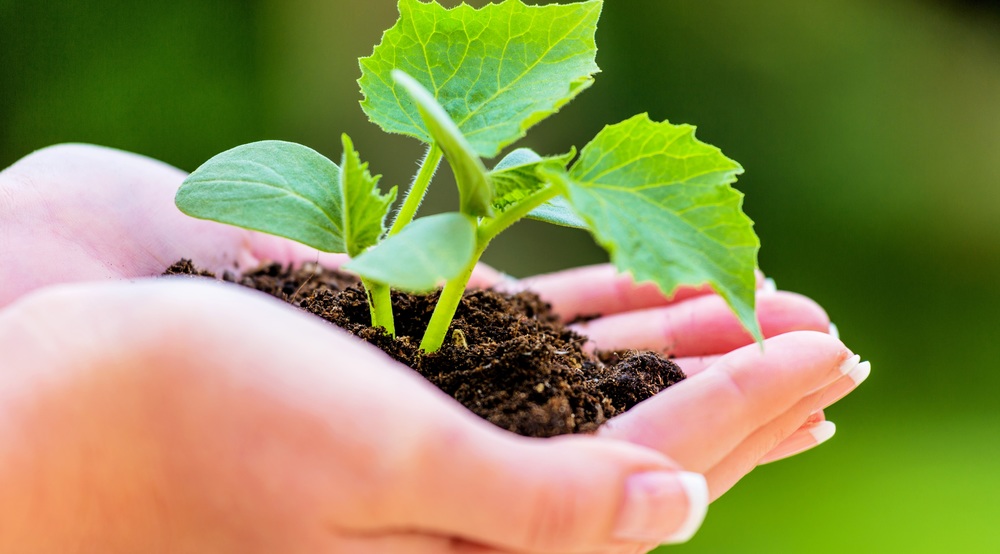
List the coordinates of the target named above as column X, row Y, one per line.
column 169, row 415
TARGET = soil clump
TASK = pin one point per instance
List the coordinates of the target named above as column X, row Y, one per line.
column 508, row 357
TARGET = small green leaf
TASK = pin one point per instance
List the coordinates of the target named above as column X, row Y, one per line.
column 497, row 70
column 426, row 252
column 281, row 188
column 660, row 201
column 364, row 219
column 474, row 189
column 517, row 176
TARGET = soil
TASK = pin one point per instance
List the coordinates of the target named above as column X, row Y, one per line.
column 509, row 358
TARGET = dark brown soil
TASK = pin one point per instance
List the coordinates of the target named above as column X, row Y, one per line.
column 509, row 359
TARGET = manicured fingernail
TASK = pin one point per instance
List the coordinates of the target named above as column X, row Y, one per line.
column 834, row 331
column 849, row 364
column 860, row 372
column 769, row 285
column 651, row 512
column 823, row 431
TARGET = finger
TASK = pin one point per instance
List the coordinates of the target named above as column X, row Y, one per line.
column 703, row 326
column 601, row 290
column 749, row 453
column 733, row 398
column 795, row 431
column 557, row 495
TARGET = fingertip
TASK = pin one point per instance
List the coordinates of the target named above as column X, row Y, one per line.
column 783, row 311
column 860, row 373
column 696, row 488
column 652, row 511
column 822, row 431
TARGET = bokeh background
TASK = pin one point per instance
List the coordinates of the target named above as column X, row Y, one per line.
column 870, row 132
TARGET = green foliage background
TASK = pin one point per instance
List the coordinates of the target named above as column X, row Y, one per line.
column 870, row 132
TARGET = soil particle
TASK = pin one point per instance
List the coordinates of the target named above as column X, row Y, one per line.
column 508, row 358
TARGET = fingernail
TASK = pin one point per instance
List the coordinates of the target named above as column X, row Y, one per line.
column 849, row 364
column 769, row 285
column 823, row 431
column 860, row 372
column 651, row 512
column 834, row 331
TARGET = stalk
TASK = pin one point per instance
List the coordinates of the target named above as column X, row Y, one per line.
column 418, row 189
column 447, row 304
column 451, row 294
column 379, row 295
column 380, row 305
column 491, row 227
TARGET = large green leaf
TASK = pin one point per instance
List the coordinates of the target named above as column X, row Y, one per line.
column 426, row 252
column 660, row 201
column 363, row 221
column 291, row 191
column 497, row 70
column 516, row 177
column 474, row 189
column 281, row 188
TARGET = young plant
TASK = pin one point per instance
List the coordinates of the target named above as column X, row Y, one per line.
column 470, row 82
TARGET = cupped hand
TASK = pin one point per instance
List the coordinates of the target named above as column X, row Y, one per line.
column 766, row 401
column 190, row 416
column 243, row 438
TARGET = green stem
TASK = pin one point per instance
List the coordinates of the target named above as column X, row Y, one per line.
column 447, row 304
column 418, row 189
column 451, row 294
column 490, row 228
column 380, row 305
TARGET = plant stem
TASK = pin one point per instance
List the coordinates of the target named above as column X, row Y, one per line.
column 380, row 305
column 451, row 294
column 489, row 228
column 418, row 189
column 447, row 304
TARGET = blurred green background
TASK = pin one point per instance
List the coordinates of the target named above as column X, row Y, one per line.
column 870, row 132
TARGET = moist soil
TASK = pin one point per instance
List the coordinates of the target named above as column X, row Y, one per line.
column 509, row 358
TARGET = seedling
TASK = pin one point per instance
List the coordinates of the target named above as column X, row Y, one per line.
column 470, row 82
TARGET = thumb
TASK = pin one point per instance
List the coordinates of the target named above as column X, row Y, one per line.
column 571, row 494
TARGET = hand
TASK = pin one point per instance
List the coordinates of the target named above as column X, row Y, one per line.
column 187, row 416
column 767, row 401
column 62, row 219
column 193, row 432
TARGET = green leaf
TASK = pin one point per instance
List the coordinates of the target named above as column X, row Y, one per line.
column 517, row 176
column 474, row 189
column 281, row 188
column 497, row 70
column 363, row 221
column 426, row 252
column 291, row 191
column 660, row 202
